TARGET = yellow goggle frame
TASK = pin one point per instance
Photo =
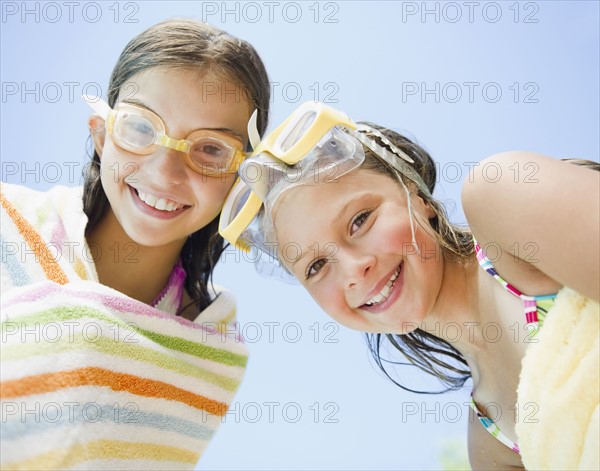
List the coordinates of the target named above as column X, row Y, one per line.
column 290, row 142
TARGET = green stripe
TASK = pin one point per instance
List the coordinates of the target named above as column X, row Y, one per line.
column 187, row 346
column 196, row 349
column 124, row 349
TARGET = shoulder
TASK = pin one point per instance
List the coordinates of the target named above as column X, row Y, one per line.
column 28, row 200
column 18, row 195
column 20, row 191
column 52, row 213
column 519, row 200
column 223, row 308
column 514, row 176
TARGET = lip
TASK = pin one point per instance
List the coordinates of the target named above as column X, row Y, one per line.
column 394, row 294
column 157, row 213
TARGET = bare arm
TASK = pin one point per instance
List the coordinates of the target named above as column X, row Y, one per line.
column 521, row 197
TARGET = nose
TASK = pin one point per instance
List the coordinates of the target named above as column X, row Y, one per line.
column 356, row 267
column 167, row 165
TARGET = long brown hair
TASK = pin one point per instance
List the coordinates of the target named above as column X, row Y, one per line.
column 421, row 349
column 188, row 44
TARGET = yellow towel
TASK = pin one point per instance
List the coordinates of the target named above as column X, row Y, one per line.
column 559, row 388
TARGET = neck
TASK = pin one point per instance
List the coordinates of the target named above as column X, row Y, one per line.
column 137, row 271
column 456, row 316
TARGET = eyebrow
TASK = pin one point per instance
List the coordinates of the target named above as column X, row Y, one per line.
column 137, row 102
column 228, row 131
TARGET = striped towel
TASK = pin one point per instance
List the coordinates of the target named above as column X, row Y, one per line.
column 92, row 379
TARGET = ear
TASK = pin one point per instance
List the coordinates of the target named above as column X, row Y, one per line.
column 429, row 210
column 98, row 133
column 424, row 207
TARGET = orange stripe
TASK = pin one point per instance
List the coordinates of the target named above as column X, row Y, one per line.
column 47, row 261
column 92, row 376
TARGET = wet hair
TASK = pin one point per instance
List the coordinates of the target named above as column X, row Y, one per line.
column 421, row 349
column 190, row 45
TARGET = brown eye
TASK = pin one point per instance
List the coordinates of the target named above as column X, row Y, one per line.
column 315, row 267
column 359, row 220
column 210, row 151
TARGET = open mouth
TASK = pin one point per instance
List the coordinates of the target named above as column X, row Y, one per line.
column 159, row 204
column 380, row 299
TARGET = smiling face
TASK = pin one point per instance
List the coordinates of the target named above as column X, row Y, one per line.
column 357, row 257
column 158, row 199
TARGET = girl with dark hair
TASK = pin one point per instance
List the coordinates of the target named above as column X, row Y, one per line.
column 139, row 369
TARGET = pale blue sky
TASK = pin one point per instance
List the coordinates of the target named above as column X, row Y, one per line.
column 465, row 80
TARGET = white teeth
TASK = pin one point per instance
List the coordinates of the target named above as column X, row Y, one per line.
column 147, row 198
column 158, row 203
column 161, row 204
column 385, row 291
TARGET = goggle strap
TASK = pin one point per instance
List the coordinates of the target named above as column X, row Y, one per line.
column 363, row 128
column 396, row 159
column 98, row 105
column 253, row 134
column 411, row 217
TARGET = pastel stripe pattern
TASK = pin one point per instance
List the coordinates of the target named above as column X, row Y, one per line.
column 31, row 237
column 535, row 308
column 491, row 427
column 92, row 379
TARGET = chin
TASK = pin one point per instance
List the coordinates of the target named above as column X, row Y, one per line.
column 402, row 325
column 151, row 240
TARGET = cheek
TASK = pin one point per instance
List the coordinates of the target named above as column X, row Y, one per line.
column 331, row 300
column 211, row 188
column 116, row 167
column 394, row 237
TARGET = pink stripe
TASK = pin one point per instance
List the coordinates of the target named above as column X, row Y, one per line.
column 131, row 306
column 126, row 305
column 42, row 290
column 531, row 317
column 172, row 293
column 513, row 290
column 59, row 235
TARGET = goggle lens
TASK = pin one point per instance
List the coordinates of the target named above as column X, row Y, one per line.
column 239, row 202
column 211, row 152
column 139, row 130
column 134, row 130
column 298, row 131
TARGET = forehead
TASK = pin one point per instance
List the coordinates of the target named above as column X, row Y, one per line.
column 196, row 97
column 306, row 213
column 184, row 84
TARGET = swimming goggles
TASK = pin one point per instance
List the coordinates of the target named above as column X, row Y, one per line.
column 309, row 145
column 316, row 143
column 140, row 131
